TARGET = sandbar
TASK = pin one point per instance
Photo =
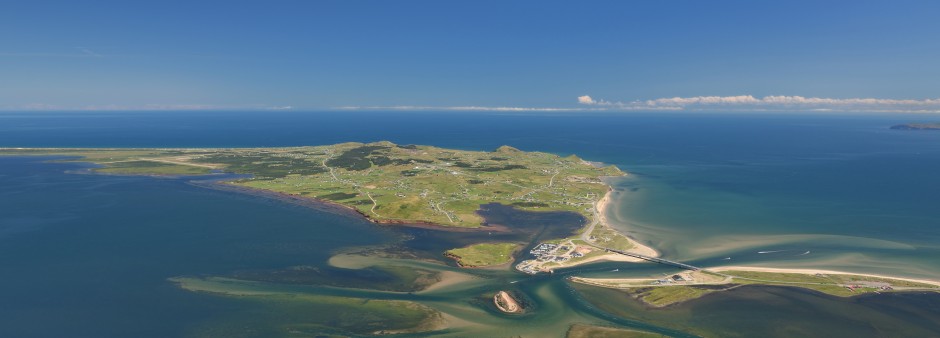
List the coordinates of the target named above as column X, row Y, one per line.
column 816, row 271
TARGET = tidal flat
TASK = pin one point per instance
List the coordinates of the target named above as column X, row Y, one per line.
column 291, row 311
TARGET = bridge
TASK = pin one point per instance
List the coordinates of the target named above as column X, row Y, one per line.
column 655, row 259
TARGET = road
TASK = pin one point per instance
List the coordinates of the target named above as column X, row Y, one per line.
column 586, row 235
column 655, row 259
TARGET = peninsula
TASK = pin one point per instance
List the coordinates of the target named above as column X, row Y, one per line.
column 403, row 184
column 688, row 285
column 426, row 186
column 917, row 126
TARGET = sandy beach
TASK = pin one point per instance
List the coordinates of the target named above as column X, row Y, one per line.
column 609, row 257
column 605, row 202
column 506, row 303
column 602, row 221
column 639, row 248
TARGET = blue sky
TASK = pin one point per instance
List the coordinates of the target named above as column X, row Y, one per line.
column 312, row 55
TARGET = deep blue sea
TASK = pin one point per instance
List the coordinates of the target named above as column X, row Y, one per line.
column 89, row 255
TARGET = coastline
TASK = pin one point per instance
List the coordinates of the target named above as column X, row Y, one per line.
column 815, row 271
column 601, row 210
column 721, row 278
column 506, row 303
column 659, row 292
column 608, row 257
column 447, row 278
column 330, row 206
column 601, row 207
column 457, row 259
column 586, row 238
column 600, row 219
column 227, row 184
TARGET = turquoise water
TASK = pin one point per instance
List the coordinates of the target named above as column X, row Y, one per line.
column 89, row 255
column 834, row 194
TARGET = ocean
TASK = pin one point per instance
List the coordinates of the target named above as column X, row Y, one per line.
column 90, row 255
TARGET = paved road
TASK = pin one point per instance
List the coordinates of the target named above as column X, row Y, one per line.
column 585, row 236
column 655, row 259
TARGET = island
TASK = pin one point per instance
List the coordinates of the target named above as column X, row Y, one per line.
column 408, row 185
column 483, row 254
column 506, row 303
column 917, row 126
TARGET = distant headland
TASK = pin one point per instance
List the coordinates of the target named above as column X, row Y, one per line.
column 917, row 126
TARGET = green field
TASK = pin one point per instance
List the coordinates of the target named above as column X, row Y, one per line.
column 668, row 295
column 483, row 254
column 384, row 181
column 833, row 284
column 610, row 238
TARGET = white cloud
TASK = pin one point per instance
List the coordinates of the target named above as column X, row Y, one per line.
column 780, row 103
column 586, row 99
